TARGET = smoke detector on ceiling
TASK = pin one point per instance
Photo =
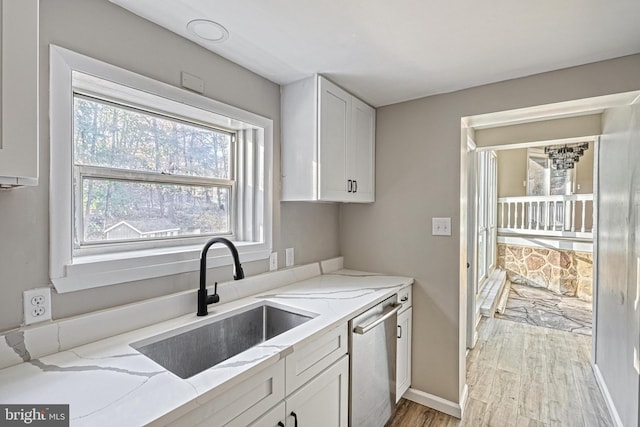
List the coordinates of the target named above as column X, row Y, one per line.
column 207, row 30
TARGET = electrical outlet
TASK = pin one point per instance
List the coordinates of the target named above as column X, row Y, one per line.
column 37, row 305
column 288, row 257
column 273, row 261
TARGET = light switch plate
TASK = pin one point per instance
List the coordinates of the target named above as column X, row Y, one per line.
column 441, row 226
column 288, row 255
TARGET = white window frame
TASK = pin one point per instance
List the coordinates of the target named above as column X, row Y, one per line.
column 72, row 268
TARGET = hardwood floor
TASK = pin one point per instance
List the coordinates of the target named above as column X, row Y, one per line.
column 521, row 375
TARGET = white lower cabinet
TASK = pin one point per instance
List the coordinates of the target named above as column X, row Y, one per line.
column 240, row 404
column 403, row 355
column 310, row 387
column 324, row 401
column 313, row 358
column 317, row 386
column 276, row 417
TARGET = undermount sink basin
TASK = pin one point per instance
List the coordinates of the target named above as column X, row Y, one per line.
column 192, row 349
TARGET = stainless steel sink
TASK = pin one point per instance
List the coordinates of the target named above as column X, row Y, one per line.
column 194, row 348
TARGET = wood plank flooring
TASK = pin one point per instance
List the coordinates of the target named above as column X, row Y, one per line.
column 521, row 375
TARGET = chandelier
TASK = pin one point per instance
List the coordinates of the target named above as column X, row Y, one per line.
column 565, row 156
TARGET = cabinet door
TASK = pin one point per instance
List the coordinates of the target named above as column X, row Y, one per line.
column 19, row 93
column 334, row 133
column 403, row 363
column 361, row 153
column 324, row 401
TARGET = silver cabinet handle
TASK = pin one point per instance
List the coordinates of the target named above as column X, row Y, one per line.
column 389, row 311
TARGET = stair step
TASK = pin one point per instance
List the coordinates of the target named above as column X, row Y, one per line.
column 504, row 296
column 491, row 292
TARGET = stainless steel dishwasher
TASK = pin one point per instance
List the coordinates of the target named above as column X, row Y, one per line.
column 372, row 345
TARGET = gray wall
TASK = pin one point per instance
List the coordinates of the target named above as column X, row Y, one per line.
column 543, row 130
column 618, row 321
column 104, row 31
column 418, row 177
column 512, row 171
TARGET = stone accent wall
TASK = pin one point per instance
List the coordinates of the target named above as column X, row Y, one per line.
column 561, row 271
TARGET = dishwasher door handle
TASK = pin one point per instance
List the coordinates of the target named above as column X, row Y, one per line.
column 389, row 311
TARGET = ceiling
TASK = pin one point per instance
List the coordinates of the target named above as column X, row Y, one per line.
column 391, row 51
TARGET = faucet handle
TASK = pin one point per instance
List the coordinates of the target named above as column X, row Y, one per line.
column 215, row 297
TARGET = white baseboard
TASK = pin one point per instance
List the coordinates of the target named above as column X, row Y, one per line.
column 439, row 404
column 607, row 397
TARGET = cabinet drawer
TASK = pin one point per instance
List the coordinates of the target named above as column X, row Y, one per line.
column 307, row 362
column 270, row 419
column 242, row 403
column 404, row 297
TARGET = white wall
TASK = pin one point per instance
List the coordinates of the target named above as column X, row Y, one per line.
column 618, row 320
column 104, row 31
column 418, row 177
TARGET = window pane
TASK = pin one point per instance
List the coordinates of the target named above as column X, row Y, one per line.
column 128, row 210
column 118, row 137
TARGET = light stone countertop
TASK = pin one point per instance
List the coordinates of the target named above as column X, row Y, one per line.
column 107, row 382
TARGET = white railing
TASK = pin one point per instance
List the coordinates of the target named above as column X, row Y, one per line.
column 561, row 216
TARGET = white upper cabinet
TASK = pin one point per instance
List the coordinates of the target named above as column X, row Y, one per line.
column 362, row 154
column 333, row 140
column 328, row 144
column 19, row 93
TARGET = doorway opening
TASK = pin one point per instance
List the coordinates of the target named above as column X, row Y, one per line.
column 544, row 238
column 531, row 233
column 604, row 118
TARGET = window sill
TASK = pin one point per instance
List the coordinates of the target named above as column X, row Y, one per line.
column 92, row 271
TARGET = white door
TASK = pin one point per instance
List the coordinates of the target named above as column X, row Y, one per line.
column 334, row 133
column 361, row 152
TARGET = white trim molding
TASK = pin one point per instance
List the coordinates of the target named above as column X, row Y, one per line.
column 439, row 404
column 615, row 417
column 72, row 268
column 547, row 243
